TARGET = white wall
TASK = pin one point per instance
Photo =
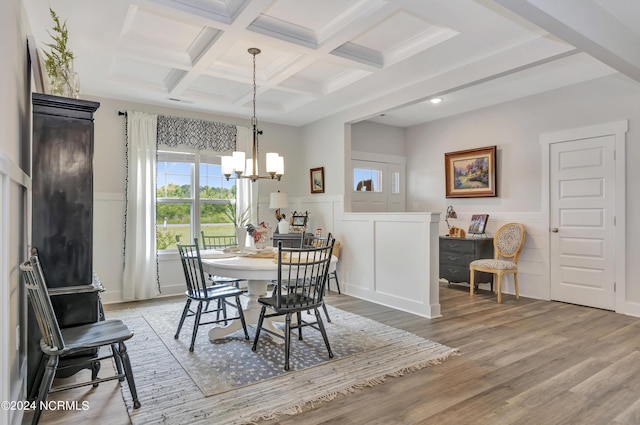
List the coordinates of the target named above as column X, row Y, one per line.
column 15, row 123
column 515, row 128
column 372, row 137
column 109, row 183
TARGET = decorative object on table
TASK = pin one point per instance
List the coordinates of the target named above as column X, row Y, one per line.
column 451, row 213
column 248, row 169
column 299, row 221
column 457, row 232
column 316, row 176
column 278, row 200
column 471, row 173
column 262, row 234
column 507, row 244
column 478, row 224
column 64, row 81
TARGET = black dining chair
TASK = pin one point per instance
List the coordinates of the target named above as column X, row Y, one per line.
column 302, row 276
column 56, row 342
column 221, row 242
column 199, row 291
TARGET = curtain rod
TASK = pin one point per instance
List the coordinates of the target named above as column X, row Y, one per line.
column 122, row 113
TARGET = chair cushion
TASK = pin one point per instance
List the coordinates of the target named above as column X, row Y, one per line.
column 495, row 264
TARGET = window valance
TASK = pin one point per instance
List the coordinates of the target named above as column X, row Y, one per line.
column 197, row 134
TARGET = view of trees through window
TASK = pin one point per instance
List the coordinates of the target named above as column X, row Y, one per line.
column 183, row 212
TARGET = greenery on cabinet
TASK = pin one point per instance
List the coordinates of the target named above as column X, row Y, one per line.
column 59, row 60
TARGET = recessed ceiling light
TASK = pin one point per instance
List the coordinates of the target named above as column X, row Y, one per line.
column 435, row 100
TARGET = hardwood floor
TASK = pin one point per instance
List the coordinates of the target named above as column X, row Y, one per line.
column 520, row 362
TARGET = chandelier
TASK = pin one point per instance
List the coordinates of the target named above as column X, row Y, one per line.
column 248, row 169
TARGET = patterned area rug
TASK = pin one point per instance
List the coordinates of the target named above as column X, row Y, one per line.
column 227, row 383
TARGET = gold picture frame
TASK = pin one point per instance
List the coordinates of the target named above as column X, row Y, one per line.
column 471, row 173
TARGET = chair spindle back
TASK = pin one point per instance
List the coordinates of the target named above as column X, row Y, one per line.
column 39, row 298
column 192, row 266
column 305, row 272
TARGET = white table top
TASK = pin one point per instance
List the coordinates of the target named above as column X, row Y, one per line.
column 245, row 267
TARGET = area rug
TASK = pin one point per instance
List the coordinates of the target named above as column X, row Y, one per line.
column 207, row 386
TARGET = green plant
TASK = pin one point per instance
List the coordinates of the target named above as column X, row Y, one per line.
column 238, row 220
column 164, row 240
column 59, row 60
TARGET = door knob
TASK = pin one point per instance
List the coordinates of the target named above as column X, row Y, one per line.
column 554, row 229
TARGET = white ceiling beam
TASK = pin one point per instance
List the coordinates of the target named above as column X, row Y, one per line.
column 586, row 26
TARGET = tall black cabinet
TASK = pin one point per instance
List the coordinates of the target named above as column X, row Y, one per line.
column 62, row 212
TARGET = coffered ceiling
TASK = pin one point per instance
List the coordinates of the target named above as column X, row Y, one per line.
column 320, row 57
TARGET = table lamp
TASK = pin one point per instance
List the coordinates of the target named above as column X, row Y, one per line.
column 279, row 200
column 451, row 213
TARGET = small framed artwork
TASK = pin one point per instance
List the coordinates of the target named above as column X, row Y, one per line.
column 299, row 221
column 316, row 176
column 478, row 224
column 471, row 173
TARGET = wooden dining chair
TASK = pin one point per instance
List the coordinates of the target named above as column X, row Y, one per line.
column 57, row 343
column 221, row 242
column 507, row 243
column 302, row 276
column 199, row 291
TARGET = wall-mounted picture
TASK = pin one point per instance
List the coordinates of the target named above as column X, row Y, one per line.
column 316, row 176
column 478, row 224
column 471, row 173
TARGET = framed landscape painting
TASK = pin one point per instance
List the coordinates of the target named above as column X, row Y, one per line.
column 316, row 176
column 471, row 173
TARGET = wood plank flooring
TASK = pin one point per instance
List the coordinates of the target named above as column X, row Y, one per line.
column 520, row 362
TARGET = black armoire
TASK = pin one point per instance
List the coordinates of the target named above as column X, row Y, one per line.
column 62, row 215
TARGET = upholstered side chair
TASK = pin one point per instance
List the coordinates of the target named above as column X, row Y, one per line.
column 507, row 243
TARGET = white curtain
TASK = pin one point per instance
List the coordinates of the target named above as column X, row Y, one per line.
column 140, row 275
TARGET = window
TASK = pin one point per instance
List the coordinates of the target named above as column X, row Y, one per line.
column 367, row 180
column 184, row 207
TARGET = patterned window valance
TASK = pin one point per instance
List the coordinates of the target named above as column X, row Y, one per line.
column 197, row 134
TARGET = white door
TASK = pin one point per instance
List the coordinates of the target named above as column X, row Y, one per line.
column 582, row 199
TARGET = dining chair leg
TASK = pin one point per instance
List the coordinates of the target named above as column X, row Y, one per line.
column 184, row 316
column 299, row 316
column 259, row 328
column 117, row 360
column 323, row 332
column 326, row 313
column 95, row 369
column 128, row 371
column 241, row 314
column 515, row 281
column 335, row 276
column 499, row 288
column 196, row 324
column 45, row 386
column 287, row 340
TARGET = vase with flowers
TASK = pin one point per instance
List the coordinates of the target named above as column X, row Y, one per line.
column 63, row 79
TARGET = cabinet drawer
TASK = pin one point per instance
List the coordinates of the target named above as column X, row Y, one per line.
column 457, row 259
column 457, row 245
column 454, row 273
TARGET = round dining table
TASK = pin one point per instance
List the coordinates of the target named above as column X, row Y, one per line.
column 258, row 269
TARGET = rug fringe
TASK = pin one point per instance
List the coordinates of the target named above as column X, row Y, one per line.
column 297, row 408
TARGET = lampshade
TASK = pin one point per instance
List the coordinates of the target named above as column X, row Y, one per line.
column 278, row 200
